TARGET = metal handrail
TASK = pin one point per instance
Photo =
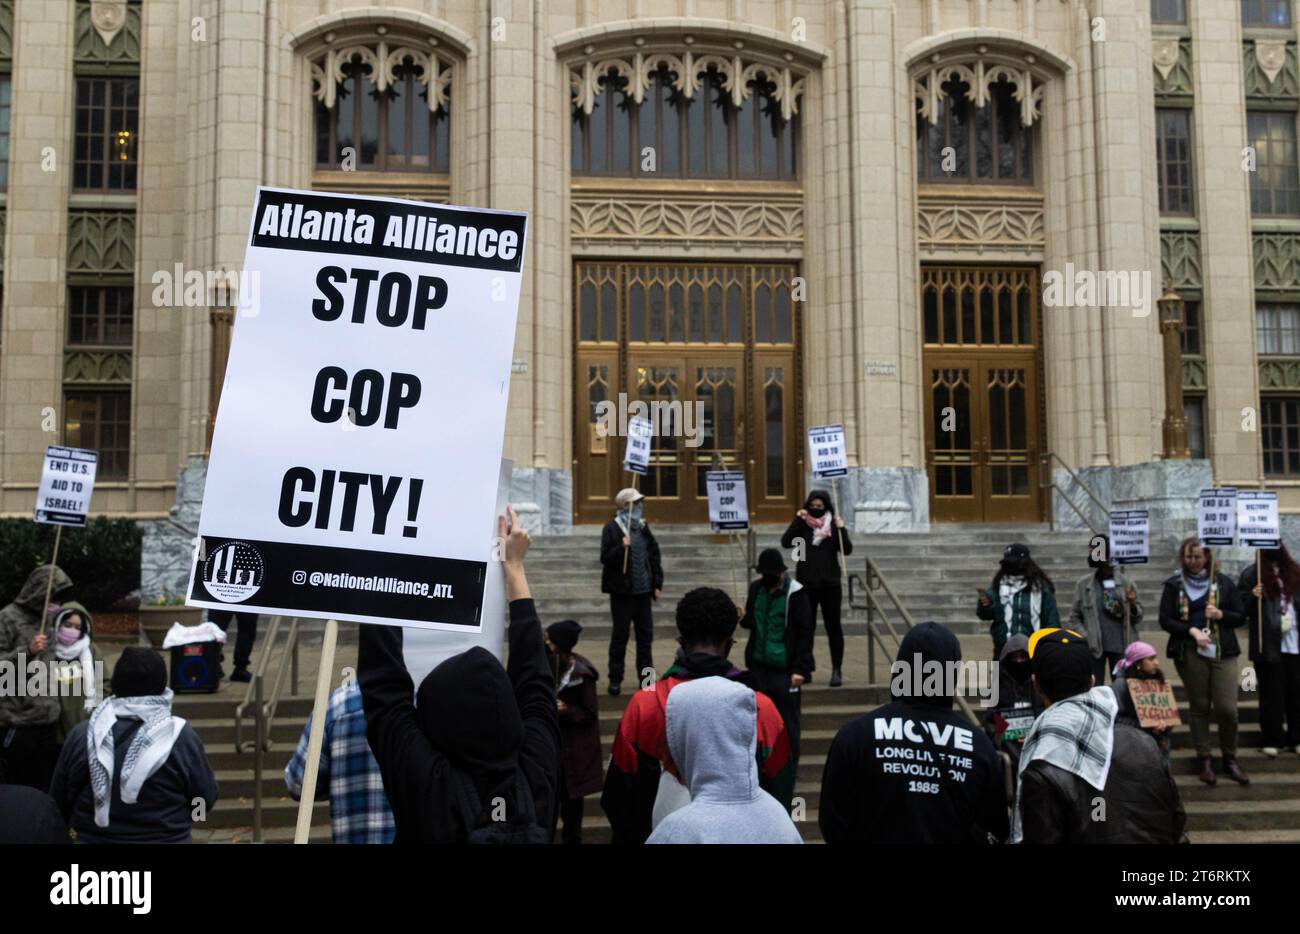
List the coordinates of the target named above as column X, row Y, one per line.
column 1045, row 479
column 875, row 577
column 288, row 668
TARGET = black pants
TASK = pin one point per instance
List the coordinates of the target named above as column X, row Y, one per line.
column 775, row 683
column 28, row 755
column 571, row 814
column 1279, row 698
column 828, row 597
column 1101, row 667
column 247, row 632
column 633, row 609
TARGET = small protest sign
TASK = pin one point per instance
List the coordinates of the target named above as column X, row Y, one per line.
column 1216, row 516
column 1154, row 701
column 827, row 451
column 728, row 502
column 1130, row 536
column 636, row 456
column 67, row 482
column 1258, row 522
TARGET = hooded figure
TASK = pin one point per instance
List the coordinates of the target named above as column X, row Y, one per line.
column 915, row 771
column 134, row 772
column 1018, row 704
column 818, row 542
column 476, row 731
column 80, row 666
column 20, row 621
column 712, row 726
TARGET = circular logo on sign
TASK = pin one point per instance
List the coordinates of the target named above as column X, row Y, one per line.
column 233, row 572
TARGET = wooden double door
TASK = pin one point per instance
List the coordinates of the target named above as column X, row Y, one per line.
column 711, row 350
column 982, row 364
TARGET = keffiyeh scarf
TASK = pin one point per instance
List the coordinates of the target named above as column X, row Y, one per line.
column 149, row 749
column 1008, row 587
column 79, row 652
column 1076, row 734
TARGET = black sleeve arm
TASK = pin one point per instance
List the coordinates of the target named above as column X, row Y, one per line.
column 1043, row 818
column 791, row 533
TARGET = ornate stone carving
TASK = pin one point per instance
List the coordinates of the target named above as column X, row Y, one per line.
column 108, row 17
column 101, row 242
column 381, row 61
column 1180, row 258
column 979, row 75
column 955, row 223
column 97, row 366
column 1194, row 374
column 621, row 217
column 1279, row 373
column 1277, row 260
column 588, row 78
column 1271, row 69
column 1172, row 58
column 107, row 33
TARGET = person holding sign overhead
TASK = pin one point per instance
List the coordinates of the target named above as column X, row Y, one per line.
column 822, row 537
column 632, row 576
column 1275, row 646
column 1201, row 612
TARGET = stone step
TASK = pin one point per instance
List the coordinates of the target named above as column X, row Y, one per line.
column 1242, row 815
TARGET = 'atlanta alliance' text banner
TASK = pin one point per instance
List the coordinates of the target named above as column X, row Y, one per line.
column 356, row 448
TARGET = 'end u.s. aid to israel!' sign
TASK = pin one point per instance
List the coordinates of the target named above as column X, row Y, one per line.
column 827, row 451
column 354, row 463
column 67, row 482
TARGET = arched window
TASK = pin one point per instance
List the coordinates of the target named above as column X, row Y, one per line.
column 643, row 119
column 974, row 125
column 382, row 111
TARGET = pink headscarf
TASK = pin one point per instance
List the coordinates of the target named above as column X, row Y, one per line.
column 1135, row 652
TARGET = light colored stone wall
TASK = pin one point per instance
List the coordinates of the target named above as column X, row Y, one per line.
column 222, row 115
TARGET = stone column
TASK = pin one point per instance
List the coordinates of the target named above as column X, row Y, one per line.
column 36, row 235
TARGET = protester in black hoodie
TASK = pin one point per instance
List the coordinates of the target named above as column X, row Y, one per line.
column 820, row 533
column 914, row 771
column 476, row 732
column 1018, row 704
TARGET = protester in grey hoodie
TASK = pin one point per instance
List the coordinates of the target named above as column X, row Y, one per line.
column 712, row 727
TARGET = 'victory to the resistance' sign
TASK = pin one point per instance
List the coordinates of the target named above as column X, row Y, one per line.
column 827, row 451
column 1258, row 522
column 355, row 456
column 67, row 481
column 728, row 503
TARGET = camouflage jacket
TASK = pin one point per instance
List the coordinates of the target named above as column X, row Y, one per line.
column 19, row 623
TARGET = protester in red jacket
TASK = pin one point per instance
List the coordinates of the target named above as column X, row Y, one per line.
column 641, row 769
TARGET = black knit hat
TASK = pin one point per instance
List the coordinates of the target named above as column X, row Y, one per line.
column 564, row 634
column 140, row 672
column 770, row 562
column 1061, row 661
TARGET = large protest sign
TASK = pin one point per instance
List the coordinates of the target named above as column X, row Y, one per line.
column 728, row 501
column 1154, row 702
column 636, row 456
column 827, row 451
column 67, row 482
column 1258, row 522
column 1216, row 516
column 355, row 455
column 1130, row 536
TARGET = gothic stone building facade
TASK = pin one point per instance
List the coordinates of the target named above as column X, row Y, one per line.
column 794, row 212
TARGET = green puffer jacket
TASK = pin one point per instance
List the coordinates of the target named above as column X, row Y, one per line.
column 19, row 623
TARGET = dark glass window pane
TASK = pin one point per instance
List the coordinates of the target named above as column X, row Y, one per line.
column 784, row 320
column 587, row 312
column 931, row 300
column 608, row 312
column 763, row 314
column 636, row 312
column 735, row 315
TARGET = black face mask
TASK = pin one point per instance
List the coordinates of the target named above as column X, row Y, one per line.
column 1019, row 671
column 771, row 580
column 816, row 513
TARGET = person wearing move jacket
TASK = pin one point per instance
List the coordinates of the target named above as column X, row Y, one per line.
column 1202, row 617
column 820, row 533
column 915, row 770
column 475, row 732
column 778, row 654
column 633, row 576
